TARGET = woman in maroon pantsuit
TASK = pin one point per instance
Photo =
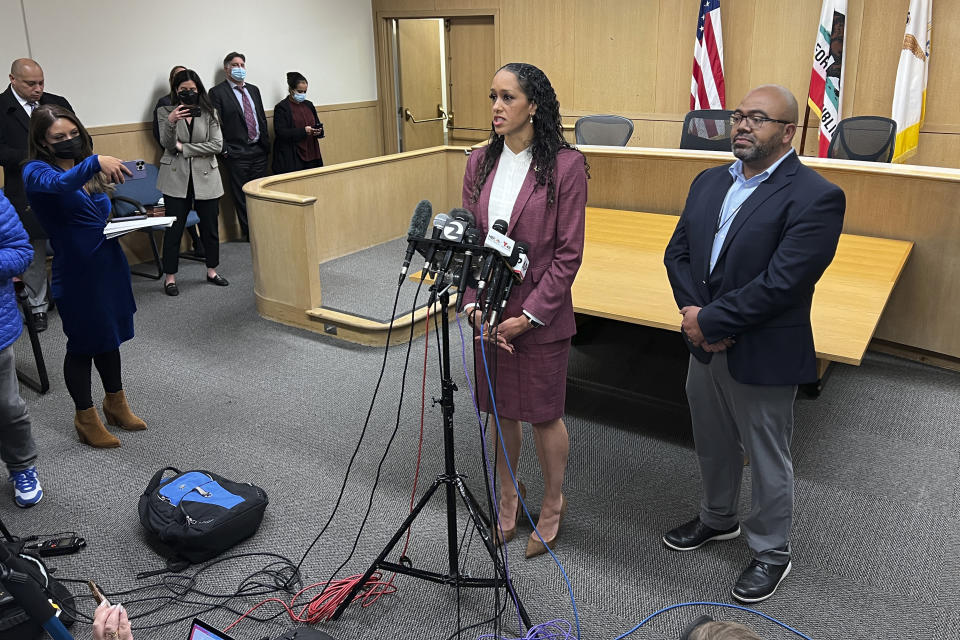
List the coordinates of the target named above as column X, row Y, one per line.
column 533, row 179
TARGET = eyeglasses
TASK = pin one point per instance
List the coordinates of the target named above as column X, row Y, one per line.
column 755, row 122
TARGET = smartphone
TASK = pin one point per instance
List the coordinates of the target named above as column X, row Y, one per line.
column 137, row 168
column 97, row 594
column 195, row 112
column 319, row 130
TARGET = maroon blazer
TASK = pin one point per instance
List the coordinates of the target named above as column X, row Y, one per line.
column 555, row 236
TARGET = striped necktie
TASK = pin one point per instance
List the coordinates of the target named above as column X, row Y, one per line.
column 33, row 106
column 248, row 116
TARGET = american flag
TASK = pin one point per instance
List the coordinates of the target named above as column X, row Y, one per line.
column 706, row 89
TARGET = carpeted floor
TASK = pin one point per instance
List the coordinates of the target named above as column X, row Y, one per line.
column 877, row 458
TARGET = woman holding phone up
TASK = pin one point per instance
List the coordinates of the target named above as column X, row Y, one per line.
column 189, row 177
column 68, row 188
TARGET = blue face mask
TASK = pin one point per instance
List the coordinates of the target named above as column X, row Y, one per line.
column 238, row 73
column 299, row 97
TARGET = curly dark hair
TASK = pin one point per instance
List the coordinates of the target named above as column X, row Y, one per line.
column 547, row 131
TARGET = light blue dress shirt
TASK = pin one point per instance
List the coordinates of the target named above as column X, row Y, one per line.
column 737, row 194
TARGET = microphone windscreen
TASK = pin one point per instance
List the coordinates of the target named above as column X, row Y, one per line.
column 463, row 214
column 500, row 225
column 420, row 221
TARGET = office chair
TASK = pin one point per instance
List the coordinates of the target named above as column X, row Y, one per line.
column 867, row 138
column 134, row 197
column 706, row 130
column 614, row 131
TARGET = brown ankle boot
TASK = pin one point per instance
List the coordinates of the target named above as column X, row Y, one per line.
column 118, row 413
column 92, row 431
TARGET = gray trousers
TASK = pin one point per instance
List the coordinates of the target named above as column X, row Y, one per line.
column 730, row 419
column 17, row 448
column 35, row 277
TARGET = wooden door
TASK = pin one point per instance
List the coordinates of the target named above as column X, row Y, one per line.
column 420, row 95
column 471, row 63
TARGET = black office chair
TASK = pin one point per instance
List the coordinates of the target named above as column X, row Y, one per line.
column 706, row 130
column 866, row 138
column 136, row 197
column 613, row 131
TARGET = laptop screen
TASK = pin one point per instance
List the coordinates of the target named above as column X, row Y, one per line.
column 200, row 630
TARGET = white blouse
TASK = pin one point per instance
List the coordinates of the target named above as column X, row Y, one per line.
column 511, row 172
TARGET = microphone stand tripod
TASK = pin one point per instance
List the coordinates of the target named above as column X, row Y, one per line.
column 454, row 485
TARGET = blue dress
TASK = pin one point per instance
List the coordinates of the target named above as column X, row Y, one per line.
column 91, row 277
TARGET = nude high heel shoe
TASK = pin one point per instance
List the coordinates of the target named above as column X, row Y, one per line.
column 534, row 546
column 510, row 534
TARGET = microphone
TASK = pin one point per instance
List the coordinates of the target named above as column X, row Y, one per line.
column 453, row 232
column 438, row 224
column 501, row 268
column 495, row 239
column 518, row 271
column 471, row 238
column 418, row 228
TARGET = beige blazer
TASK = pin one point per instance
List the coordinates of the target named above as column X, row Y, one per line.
column 197, row 160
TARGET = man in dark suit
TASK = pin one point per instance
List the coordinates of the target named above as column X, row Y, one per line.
column 753, row 240
column 246, row 143
column 17, row 103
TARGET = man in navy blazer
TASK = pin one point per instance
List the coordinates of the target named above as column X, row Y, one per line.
column 752, row 242
column 26, row 93
column 246, row 142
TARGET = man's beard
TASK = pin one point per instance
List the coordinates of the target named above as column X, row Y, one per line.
column 757, row 152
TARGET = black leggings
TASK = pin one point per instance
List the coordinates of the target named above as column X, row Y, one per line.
column 76, row 373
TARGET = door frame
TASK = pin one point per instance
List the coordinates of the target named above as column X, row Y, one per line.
column 386, row 82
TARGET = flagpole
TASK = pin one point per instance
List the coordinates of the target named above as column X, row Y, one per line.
column 803, row 136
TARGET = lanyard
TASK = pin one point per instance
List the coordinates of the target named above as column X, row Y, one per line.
column 721, row 223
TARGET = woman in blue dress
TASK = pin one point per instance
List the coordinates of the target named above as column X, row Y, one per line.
column 68, row 188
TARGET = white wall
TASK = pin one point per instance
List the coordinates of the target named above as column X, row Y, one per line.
column 111, row 59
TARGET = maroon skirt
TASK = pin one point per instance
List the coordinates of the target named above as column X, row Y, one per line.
column 529, row 385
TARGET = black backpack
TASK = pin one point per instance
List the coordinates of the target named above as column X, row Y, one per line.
column 196, row 515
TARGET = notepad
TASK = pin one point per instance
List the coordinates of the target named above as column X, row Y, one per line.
column 116, row 229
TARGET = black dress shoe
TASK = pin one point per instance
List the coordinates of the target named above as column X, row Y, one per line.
column 695, row 534
column 759, row 581
column 40, row 321
column 218, row 280
column 171, row 289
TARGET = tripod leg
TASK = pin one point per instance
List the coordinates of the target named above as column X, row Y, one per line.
column 480, row 522
column 386, row 550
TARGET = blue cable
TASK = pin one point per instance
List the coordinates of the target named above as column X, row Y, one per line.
column 486, row 464
column 513, row 477
column 713, row 604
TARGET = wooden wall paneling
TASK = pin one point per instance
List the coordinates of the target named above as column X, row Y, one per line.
column 676, row 28
column 880, row 45
column 943, row 81
column 539, row 32
column 352, row 132
column 472, row 62
column 739, row 33
column 616, row 41
column 782, row 48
